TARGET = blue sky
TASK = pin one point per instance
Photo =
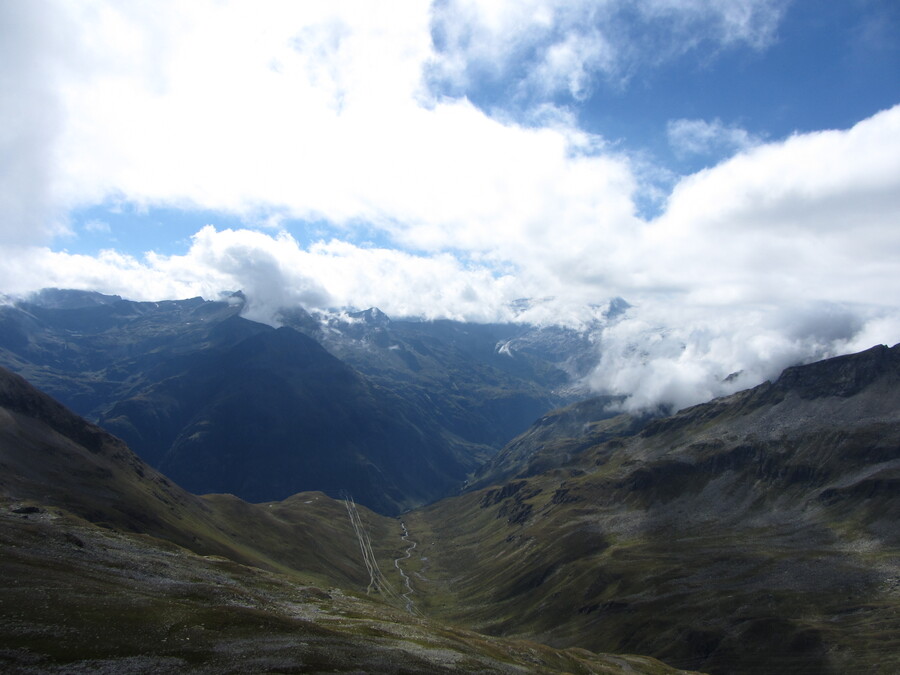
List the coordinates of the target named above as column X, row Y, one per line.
column 829, row 65
column 730, row 167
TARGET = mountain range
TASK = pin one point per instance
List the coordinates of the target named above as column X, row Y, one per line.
column 395, row 413
column 110, row 567
column 755, row 533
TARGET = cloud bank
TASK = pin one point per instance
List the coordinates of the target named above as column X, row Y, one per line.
column 358, row 118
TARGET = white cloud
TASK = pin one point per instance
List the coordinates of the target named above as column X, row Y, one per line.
column 786, row 252
column 97, row 226
column 552, row 46
column 274, row 271
column 699, row 137
column 676, row 355
column 30, row 121
column 570, row 64
column 317, row 111
column 813, row 216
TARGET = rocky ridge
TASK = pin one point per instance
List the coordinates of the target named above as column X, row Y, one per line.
column 753, row 534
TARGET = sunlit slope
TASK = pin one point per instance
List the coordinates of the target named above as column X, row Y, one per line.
column 754, row 534
column 78, row 598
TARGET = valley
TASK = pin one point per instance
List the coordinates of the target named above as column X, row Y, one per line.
column 78, row 598
column 557, row 337
column 110, row 567
column 223, row 404
column 755, row 533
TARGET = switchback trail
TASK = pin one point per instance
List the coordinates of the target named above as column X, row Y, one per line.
column 406, row 581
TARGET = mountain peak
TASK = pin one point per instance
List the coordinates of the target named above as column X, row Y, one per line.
column 616, row 307
column 58, row 298
column 372, row 316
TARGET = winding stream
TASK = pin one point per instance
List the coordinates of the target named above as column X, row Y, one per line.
column 406, row 556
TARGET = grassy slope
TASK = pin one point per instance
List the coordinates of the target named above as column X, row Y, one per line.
column 109, row 567
column 79, row 598
column 100, row 480
column 756, row 534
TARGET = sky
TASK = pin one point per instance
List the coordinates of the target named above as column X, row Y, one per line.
column 731, row 168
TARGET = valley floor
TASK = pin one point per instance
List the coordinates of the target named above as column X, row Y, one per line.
column 78, row 598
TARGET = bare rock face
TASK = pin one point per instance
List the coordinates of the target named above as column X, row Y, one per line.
column 842, row 376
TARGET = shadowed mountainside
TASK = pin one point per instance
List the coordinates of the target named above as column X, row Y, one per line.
column 556, row 438
column 485, row 383
column 396, row 413
column 277, row 414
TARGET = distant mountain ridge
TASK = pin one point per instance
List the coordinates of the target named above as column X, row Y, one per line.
column 276, row 414
column 395, row 412
column 487, row 381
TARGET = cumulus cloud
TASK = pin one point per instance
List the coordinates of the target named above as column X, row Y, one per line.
column 274, row 271
column 813, row 216
column 317, row 111
column 31, row 116
column 668, row 357
column 779, row 255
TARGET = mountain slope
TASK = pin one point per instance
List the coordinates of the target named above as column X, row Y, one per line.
column 428, row 401
column 82, row 599
column 754, row 534
column 52, row 457
column 87, row 349
column 277, row 414
column 110, row 567
column 180, row 381
column 484, row 383
column 555, row 439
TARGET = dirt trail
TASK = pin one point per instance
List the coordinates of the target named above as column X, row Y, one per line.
column 376, row 578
